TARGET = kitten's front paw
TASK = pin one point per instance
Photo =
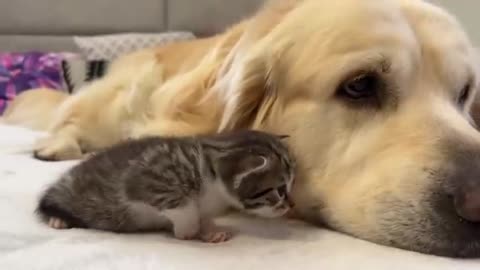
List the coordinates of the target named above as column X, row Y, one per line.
column 216, row 236
column 55, row 148
column 57, row 223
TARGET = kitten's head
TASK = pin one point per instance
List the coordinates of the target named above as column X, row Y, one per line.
column 258, row 171
column 267, row 198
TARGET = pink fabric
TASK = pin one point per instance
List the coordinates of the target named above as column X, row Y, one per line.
column 24, row 71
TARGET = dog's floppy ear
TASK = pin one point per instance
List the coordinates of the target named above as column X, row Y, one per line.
column 249, row 92
column 248, row 80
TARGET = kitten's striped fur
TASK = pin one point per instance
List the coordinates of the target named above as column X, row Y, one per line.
column 152, row 183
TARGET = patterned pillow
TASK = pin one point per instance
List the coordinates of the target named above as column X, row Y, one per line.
column 109, row 47
column 24, row 71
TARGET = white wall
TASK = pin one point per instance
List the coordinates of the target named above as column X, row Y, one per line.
column 468, row 12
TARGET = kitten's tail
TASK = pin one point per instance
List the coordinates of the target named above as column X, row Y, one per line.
column 48, row 208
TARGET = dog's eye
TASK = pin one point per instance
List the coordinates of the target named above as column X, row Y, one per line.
column 360, row 87
column 464, row 95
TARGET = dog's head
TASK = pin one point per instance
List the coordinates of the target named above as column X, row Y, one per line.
column 375, row 96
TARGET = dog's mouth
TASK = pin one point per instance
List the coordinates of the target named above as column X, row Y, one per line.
column 451, row 222
column 434, row 229
column 451, row 234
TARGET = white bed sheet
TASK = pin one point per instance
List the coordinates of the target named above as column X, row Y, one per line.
column 259, row 244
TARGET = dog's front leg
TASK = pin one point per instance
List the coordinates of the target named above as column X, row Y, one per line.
column 85, row 122
column 61, row 145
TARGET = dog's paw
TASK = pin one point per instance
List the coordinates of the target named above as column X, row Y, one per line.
column 55, row 148
column 57, row 223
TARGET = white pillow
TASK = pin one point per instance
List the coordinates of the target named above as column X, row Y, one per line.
column 109, row 47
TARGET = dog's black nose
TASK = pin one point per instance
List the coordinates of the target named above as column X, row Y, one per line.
column 467, row 204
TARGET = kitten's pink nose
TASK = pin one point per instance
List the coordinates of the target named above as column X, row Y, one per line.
column 467, row 204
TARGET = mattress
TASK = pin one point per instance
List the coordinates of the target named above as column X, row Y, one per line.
column 25, row 243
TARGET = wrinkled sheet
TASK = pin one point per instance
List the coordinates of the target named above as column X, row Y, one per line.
column 25, row 243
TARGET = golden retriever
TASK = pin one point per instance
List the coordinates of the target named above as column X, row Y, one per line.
column 374, row 94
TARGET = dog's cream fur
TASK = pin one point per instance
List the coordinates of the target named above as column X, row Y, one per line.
column 370, row 171
column 34, row 109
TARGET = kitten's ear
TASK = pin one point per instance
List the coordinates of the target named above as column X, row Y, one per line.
column 249, row 166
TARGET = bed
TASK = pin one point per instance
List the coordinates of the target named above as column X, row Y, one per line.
column 25, row 243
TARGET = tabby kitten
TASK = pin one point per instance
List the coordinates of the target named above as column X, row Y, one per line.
column 178, row 183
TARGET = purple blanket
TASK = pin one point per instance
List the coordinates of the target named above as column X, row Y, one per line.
column 23, row 71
